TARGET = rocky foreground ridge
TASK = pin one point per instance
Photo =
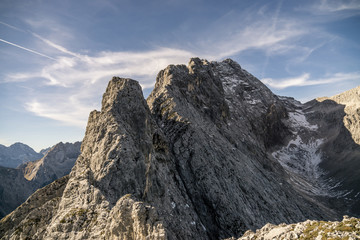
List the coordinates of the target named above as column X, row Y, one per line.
column 348, row 228
column 210, row 154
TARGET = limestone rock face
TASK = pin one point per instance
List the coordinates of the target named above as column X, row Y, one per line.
column 322, row 153
column 123, row 185
column 348, row 228
column 45, row 151
column 218, row 136
column 210, row 154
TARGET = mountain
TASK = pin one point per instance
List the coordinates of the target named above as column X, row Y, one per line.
column 14, row 190
column 45, row 151
column 211, row 153
column 322, row 155
column 341, row 117
column 16, row 185
column 57, row 162
column 17, row 154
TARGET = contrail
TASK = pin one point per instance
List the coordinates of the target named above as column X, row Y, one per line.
column 56, row 46
column 29, row 50
column 11, row 26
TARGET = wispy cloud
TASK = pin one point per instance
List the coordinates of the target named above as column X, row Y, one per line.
column 11, row 26
column 338, row 5
column 75, row 115
column 261, row 34
column 334, row 9
column 56, row 46
column 74, row 80
column 305, row 80
column 26, row 49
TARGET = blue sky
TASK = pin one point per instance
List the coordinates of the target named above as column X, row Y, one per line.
column 56, row 57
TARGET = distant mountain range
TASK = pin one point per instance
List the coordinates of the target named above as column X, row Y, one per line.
column 17, row 154
column 210, row 154
column 16, row 185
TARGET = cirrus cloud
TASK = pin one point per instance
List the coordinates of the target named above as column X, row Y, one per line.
column 74, row 82
column 69, row 87
column 305, row 80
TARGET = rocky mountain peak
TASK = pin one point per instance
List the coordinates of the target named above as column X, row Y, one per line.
column 197, row 64
column 56, row 163
column 193, row 161
column 17, row 154
column 219, row 91
column 19, row 145
column 184, row 92
column 205, row 105
column 118, row 91
column 124, row 113
column 348, row 98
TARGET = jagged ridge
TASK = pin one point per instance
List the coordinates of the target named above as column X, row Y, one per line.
column 193, row 162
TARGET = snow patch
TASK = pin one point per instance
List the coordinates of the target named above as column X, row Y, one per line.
column 230, row 83
column 298, row 120
column 302, row 156
column 253, row 101
column 302, row 160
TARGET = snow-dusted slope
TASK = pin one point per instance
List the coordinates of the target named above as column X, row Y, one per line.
column 302, row 155
column 338, row 118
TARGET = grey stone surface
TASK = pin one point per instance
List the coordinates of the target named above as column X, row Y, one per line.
column 348, row 228
column 207, row 156
column 220, row 122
